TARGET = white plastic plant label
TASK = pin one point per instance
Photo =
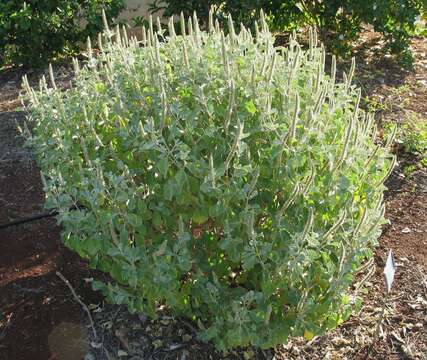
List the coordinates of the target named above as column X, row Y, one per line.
column 389, row 271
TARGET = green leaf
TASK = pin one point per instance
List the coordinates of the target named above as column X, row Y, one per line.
column 200, row 217
column 250, row 107
column 98, row 285
column 163, row 166
column 169, row 190
column 162, row 249
column 249, row 260
column 181, row 178
column 308, row 335
column 134, row 220
column 157, row 220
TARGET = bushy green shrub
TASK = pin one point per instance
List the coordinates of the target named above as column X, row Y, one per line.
column 34, row 32
column 227, row 180
column 339, row 22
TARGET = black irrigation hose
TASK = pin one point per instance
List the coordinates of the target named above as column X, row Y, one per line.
column 43, row 215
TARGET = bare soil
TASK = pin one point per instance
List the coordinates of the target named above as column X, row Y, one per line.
column 34, row 300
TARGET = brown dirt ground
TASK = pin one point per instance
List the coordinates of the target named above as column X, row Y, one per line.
column 33, row 299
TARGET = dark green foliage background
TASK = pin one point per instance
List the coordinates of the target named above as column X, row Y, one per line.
column 34, row 32
column 338, row 21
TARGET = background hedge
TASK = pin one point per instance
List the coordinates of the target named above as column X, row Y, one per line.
column 36, row 31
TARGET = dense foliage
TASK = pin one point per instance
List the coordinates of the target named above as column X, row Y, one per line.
column 339, row 22
column 33, row 32
column 227, row 180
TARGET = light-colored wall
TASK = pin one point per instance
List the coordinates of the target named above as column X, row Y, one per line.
column 133, row 9
column 136, row 8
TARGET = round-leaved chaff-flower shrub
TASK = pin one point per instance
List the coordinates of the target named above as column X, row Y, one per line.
column 232, row 182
